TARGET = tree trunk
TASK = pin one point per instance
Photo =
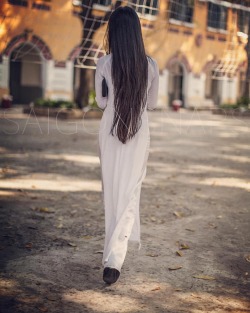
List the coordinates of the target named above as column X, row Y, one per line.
column 90, row 25
column 85, row 86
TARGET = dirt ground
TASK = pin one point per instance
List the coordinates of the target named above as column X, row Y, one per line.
column 195, row 218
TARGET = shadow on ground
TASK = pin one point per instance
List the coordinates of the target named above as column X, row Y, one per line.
column 194, row 217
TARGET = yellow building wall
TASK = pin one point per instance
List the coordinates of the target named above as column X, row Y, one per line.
column 62, row 31
column 58, row 28
column 163, row 44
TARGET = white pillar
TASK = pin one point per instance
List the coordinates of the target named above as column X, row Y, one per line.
column 59, row 81
column 163, row 90
column 195, row 90
column 4, row 73
column 229, row 90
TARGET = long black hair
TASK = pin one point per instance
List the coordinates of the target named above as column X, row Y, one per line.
column 123, row 39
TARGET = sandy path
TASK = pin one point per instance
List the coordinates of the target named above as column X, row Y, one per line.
column 196, row 196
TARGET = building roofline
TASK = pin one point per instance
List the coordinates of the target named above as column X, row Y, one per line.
column 228, row 4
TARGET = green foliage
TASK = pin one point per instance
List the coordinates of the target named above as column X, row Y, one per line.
column 92, row 101
column 48, row 103
column 229, row 106
column 241, row 102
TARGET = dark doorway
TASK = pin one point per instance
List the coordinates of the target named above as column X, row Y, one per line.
column 25, row 80
column 176, row 83
column 213, row 87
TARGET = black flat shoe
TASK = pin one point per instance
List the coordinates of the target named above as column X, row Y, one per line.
column 110, row 275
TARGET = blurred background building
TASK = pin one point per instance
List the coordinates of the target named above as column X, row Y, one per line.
column 49, row 48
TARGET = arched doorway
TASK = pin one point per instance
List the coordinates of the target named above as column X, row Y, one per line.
column 176, row 83
column 26, row 74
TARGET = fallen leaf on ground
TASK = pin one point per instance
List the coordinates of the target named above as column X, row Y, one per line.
column 156, row 288
column 179, row 253
column 173, row 268
column 28, row 245
column 152, row 255
column 184, row 246
column 247, row 258
column 178, row 214
column 190, row 229
column 212, row 225
column 72, row 244
column 87, row 237
column 205, row 277
column 45, row 210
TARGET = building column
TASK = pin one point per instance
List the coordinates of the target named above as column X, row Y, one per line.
column 163, row 90
column 4, row 76
column 195, row 90
column 229, row 90
column 59, row 80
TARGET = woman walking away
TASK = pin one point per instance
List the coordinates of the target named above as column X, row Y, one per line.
column 132, row 80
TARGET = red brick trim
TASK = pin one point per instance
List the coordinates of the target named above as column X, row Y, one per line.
column 179, row 58
column 35, row 40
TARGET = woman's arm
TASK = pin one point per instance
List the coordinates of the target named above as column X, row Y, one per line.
column 101, row 101
column 153, row 89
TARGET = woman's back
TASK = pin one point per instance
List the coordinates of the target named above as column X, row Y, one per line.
column 103, row 70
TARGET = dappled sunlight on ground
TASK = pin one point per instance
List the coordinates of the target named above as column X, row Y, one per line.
column 7, row 193
column 101, row 302
column 61, row 183
column 85, row 159
column 227, row 182
column 236, row 158
column 195, row 218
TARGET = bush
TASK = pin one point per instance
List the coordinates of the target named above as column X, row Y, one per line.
column 243, row 101
column 92, row 101
column 229, row 106
column 48, row 103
